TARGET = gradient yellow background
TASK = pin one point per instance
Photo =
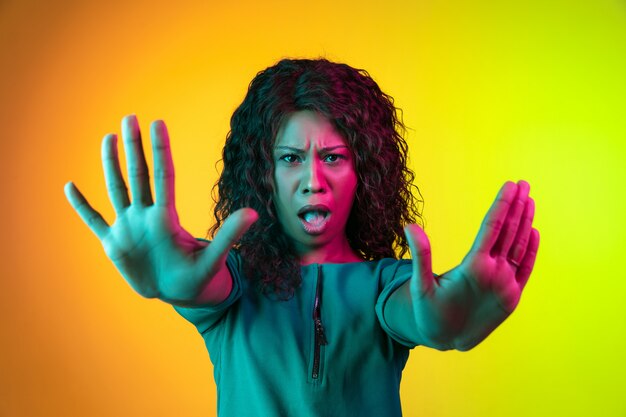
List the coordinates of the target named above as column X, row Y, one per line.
column 491, row 90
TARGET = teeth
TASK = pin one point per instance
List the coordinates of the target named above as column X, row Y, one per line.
column 313, row 217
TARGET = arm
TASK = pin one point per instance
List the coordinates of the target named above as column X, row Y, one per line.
column 460, row 308
column 146, row 243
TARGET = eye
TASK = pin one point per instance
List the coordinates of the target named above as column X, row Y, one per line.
column 333, row 157
column 290, row 158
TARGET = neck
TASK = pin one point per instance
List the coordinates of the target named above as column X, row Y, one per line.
column 338, row 252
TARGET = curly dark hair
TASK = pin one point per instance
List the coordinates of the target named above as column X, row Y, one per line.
column 368, row 120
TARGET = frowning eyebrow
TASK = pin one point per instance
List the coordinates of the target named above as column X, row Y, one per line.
column 298, row 150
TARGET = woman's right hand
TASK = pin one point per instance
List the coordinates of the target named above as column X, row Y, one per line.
column 147, row 244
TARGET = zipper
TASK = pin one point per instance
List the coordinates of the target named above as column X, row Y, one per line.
column 320, row 335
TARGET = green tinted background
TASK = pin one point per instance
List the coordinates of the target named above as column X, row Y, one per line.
column 491, row 91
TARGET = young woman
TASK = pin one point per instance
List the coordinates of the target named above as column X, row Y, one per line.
column 301, row 296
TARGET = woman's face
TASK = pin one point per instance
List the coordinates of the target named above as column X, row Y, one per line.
column 315, row 183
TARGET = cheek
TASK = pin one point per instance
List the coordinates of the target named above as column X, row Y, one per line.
column 284, row 180
column 279, row 185
column 348, row 191
column 352, row 184
column 280, row 198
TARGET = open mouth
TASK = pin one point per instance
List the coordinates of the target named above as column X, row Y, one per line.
column 314, row 219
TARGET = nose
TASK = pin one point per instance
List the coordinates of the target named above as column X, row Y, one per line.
column 314, row 180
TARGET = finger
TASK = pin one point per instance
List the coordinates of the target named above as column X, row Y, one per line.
column 231, row 231
column 116, row 187
column 493, row 222
column 512, row 221
column 138, row 176
column 423, row 280
column 163, row 165
column 518, row 248
column 92, row 218
column 528, row 262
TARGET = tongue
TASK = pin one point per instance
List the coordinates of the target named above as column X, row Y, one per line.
column 314, row 217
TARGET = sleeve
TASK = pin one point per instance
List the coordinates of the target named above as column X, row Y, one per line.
column 391, row 278
column 206, row 317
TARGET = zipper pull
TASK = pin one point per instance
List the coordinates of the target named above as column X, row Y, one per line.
column 319, row 330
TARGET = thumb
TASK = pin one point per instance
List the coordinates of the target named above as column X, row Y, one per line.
column 423, row 280
column 232, row 229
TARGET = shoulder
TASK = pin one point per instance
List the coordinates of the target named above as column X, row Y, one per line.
column 391, row 270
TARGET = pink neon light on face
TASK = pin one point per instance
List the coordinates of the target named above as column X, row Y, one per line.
column 315, row 187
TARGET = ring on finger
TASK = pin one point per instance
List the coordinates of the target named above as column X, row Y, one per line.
column 513, row 262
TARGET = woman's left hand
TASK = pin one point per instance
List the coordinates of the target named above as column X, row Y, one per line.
column 461, row 307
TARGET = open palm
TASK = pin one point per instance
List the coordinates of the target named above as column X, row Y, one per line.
column 466, row 303
column 147, row 244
